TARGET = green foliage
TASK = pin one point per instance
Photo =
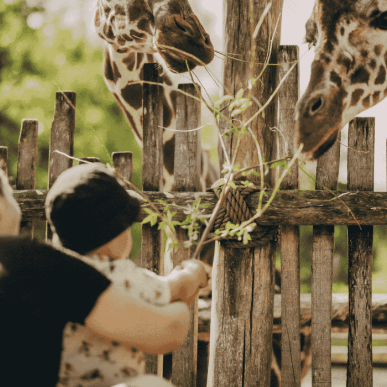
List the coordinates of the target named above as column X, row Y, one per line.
column 37, row 63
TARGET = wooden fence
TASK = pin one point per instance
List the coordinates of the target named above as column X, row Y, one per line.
column 290, row 209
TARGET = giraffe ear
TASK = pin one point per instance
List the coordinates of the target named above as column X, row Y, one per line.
column 311, row 32
column 103, row 20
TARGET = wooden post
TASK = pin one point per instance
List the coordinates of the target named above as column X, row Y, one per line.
column 26, row 164
column 152, row 163
column 62, row 137
column 187, row 179
column 322, row 270
column 243, row 279
column 123, row 163
column 361, row 144
column 290, row 235
column 4, row 159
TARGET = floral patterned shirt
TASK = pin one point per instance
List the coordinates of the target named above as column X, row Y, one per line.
column 91, row 361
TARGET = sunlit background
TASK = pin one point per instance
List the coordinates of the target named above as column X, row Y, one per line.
column 50, row 45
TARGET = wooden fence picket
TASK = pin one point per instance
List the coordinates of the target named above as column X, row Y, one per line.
column 290, row 235
column 361, row 146
column 187, row 179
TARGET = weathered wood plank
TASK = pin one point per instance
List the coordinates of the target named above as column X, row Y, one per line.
column 327, row 175
column 187, row 178
column 289, row 207
column 26, row 164
column 339, row 313
column 361, row 146
column 288, row 96
column 243, row 279
column 152, row 164
column 61, row 138
column 123, row 164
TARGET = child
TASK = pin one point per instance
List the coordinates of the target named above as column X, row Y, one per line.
column 90, row 212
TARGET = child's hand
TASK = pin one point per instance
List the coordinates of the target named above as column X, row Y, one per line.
column 186, row 279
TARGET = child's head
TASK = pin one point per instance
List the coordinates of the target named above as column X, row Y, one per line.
column 88, row 209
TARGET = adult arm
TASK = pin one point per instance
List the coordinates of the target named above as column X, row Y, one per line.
column 124, row 317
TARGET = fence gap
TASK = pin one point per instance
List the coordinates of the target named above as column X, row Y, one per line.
column 62, row 137
column 152, row 164
column 322, row 271
column 187, row 179
column 290, row 235
column 26, row 165
column 361, row 144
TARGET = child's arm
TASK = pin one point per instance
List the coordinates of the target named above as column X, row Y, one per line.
column 185, row 280
column 122, row 316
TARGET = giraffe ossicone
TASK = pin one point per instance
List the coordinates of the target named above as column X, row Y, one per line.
column 348, row 72
column 147, row 31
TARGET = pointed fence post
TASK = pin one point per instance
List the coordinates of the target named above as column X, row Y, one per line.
column 62, row 137
column 26, row 164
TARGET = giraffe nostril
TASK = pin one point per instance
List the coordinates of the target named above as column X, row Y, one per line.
column 183, row 26
column 315, row 105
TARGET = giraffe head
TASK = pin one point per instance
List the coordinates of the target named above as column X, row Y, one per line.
column 348, row 72
column 168, row 27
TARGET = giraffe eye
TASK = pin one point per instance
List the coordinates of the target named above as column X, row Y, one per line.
column 381, row 21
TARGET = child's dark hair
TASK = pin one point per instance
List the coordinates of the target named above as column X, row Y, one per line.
column 88, row 206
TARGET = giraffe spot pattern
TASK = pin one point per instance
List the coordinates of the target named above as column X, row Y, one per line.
column 342, row 31
column 361, row 75
column 355, row 97
column 381, row 77
column 130, row 61
column 366, row 101
column 378, row 49
column 364, row 53
column 345, row 61
column 375, row 96
column 108, row 70
column 119, row 10
column 116, row 72
column 335, row 78
column 97, row 19
column 372, row 64
column 140, row 57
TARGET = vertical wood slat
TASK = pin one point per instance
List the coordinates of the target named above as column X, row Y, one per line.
column 62, row 137
column 243, row 279
column 4, row 159
column 123, row 164
column 361, row 144
column 187, row 179
column 152, row 163
column 322, row 270
column 290, row 235
column 26, row 164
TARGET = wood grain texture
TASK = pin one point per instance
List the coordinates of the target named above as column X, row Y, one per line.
column 288, row 96
column 61, row 138
column 187, row 178
column 187, row 142
column 327, row 175
column 289, row 207
column 152, row 162
column 26, row 164
column 123, row 164
column 361, row 146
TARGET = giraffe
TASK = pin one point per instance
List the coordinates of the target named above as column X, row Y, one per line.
column 148, row 31
column 348, row 73
column 169, row 33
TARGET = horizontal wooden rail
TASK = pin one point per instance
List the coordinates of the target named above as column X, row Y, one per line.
column 340, row 313
column 288, row 207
